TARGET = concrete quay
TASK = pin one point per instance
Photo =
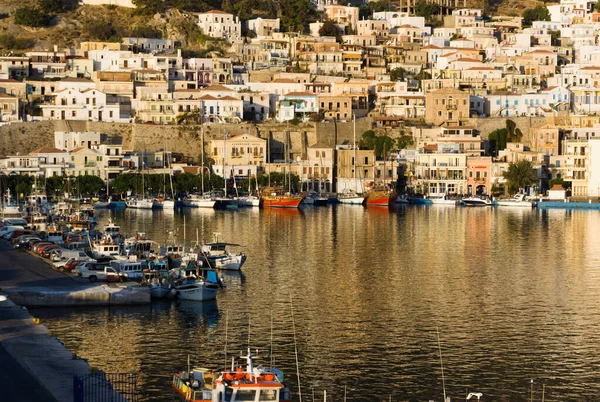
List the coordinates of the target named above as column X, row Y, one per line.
column 30, row 281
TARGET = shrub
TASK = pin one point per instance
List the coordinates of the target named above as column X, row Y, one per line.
column 11, row 42
column 31, row 17
column 100, row 30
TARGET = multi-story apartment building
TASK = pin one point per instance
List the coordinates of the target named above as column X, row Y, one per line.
column 239, row 155
column 219, row 24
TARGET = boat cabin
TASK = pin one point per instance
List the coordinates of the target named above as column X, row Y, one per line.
column 107, row 249
column 129, row 269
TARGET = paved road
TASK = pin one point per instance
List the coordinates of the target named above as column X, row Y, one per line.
column 17, row 384
column 18, row 268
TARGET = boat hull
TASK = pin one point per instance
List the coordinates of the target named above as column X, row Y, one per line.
column 159, row 291
column 520, row 204
column 351, row 200
column 199, row 203
column 231, row 262
column 168, row 204
column 378, row 200
column 282, row 202
column 197, row 291
column 469, row 202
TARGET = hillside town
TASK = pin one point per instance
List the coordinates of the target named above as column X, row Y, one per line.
column 453, row 103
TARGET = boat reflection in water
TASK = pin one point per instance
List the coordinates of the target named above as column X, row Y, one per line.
column 193, row 312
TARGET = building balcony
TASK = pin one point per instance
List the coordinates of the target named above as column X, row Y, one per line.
column 451, row 107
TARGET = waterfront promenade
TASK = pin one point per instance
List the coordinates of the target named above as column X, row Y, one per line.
column 34, row 365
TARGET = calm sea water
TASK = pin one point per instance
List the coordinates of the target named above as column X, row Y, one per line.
column 514, row 294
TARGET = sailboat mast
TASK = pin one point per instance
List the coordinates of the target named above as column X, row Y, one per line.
column 354, row 146
column 202, row 156
column 224, row 156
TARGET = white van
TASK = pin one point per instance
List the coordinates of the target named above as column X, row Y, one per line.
column 63, row 254
column 6, row 231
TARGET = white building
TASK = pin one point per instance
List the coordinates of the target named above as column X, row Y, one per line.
column 90, row 104
column 219, row 24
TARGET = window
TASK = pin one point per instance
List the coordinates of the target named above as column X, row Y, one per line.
column 366, row 160
column 245, row 395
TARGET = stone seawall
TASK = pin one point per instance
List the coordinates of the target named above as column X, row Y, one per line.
column 25, row 137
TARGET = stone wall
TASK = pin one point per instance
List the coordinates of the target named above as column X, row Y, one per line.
column 26, row 137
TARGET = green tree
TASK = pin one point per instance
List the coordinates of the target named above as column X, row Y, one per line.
column 561, row 181
column 101, row 30
column 379, row 6
column 296, row 14
column 539, row 13
column 32, row 17
column 56, row 6
column 330, row 29
column 519, row 175
column 555, row 36
column 425, row 9
column 513, row 134
column 497, row 140
column 397, row 74
column 405, row 141
column 148, row 7
column 88, row 185
column 597, row 7
column 380, row 143
column 11, row 42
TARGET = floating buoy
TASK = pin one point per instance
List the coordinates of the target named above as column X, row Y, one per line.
column 36, row 320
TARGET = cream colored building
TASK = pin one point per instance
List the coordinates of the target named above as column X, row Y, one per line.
column 240, row 155
column 317, row 168
column 446, row 106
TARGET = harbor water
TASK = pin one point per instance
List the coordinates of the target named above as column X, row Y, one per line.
column 512, row 293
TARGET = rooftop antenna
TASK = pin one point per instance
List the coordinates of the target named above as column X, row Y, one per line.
column 441, row 361
column 296, row 349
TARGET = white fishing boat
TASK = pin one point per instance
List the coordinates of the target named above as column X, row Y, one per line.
column 197, row 285
column 9, row 208
column 517, row 201
column 477, row 201
column 215, row 254
column 198, row 201
column 254, row 383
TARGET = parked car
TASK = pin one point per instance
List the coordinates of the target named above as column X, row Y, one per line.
column 5, row 231
column 19, row 233
column 97, row 272
column 29, row 244
column 26, row 241
column 22, row 238
column 63, row 254
column 47, row 250
column 71, row 264
column 38, row 248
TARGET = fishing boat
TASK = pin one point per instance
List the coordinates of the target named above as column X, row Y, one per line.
column 215, row 254
column 254, row 383
column 517, row 201
column 9, row 208
column 159, row 288
column 196, row 284
column 249, row 201
column 477, row 201
column 278, row 198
